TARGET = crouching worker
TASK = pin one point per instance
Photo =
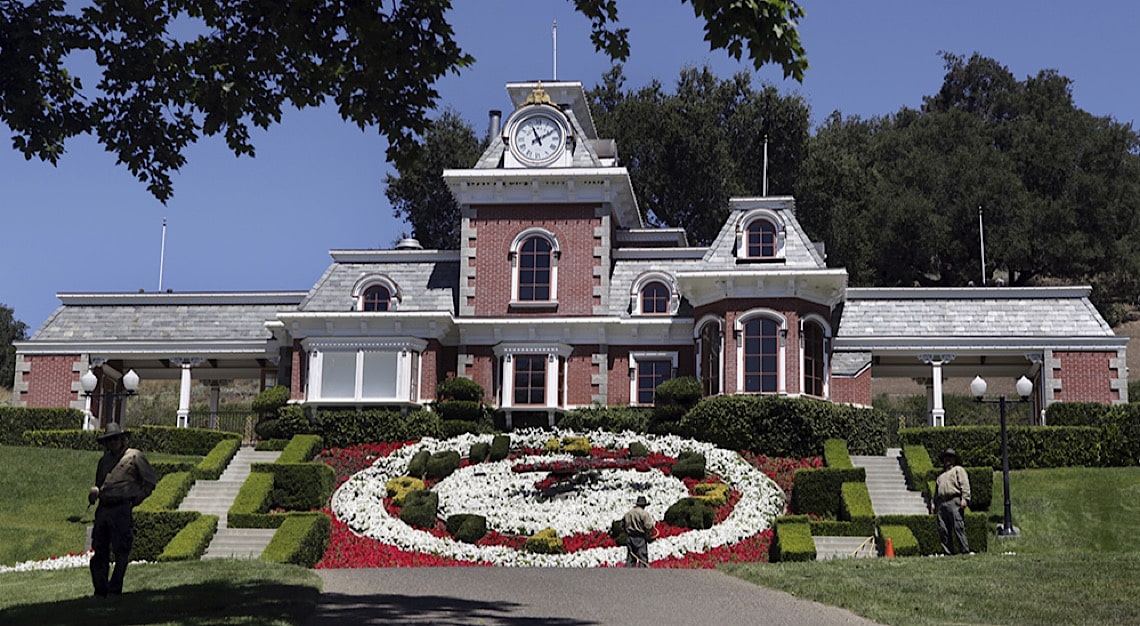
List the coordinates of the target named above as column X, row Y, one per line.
column 123, row 479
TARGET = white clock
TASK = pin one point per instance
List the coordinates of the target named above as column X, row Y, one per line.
column 538, row 139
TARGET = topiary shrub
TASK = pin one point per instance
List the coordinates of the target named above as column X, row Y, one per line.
column 420, row 509
column 441, row 464
column 674, row 397
column 301, row 539
column 398, row 488
column 614, row 419
column 464, row 410
column 467, row 527
column 294, row 420
column 418, row 465
column 500, row 447
column 638, row 450
column 792, row 540
column 421, row 424
column 617, row 532
column 460, row 389
column 480, row 450
column 577, row 446
column 192, row 541
column 545, row 541
column 454, row 428
column 690, row 513
column 270, row 400
column 712, row 494
column 689, row 465
column 268, row 428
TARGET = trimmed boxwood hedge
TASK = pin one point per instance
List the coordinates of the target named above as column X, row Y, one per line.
column 341, row 428
column 252, row 502
column 792, row 540
column 299, row 486
column 211, row 467
column 925, row 530
column 817, row 490
column 1030, row 447
column 835, row 454
column 167, row 439
column 689, row 465
column 441, row 464
column 192, row 541
column 500, row 447
column 614, row 419
column 917, row 466
column 1119, row 426
column 15, row 420
column 155, row 529
column 480, row 450
column 301, row 539
column 903, row 541
column 855, row 503
column 690, row 513
column 168, row 493
column 420, row 509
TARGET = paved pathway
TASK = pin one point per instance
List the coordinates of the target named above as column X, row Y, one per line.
column 559, row 597
column 215, row 497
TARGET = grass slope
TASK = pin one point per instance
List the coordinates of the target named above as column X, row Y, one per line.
column 1076, row 562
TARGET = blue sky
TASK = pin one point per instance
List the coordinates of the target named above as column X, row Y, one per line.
column 317, row 183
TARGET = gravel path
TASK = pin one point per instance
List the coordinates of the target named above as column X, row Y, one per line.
column 561, row 597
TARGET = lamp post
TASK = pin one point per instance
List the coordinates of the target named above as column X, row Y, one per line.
column 89, row 381
column 1024, row 388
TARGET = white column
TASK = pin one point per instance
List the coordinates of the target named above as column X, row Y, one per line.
column 937, row 412
column 551, row 386
column 184, row 397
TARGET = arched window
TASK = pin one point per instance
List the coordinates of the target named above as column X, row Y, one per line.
column 761, row 339
column 534, row 270
column 710, row 354
column 655, row 298
column 761, row 239
column 813, row 350
column 376, row 298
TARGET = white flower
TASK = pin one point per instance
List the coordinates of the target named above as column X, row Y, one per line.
column 511, row 504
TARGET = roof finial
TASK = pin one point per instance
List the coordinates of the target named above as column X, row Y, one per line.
column 538, row 96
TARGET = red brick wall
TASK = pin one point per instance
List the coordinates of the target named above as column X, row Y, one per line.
column 300, row 371
column 50, row 378
column 579, row 376
column 855, row 390
column 482, row 371
column 497, row 227
column 618, row 375
column 1085, row 377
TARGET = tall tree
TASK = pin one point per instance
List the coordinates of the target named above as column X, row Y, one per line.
column 172, row 71
column 690, row 151
column 11, row 329
column 418, row 193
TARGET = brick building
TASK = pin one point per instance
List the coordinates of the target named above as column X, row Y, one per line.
column 560, row 297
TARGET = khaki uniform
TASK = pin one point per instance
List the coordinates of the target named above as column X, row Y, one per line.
column 124, row 480
column 951, row 491
column 639, row 527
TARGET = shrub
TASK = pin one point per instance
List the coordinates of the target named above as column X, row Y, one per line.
column 417, row 466
column 301, row 539
column 454, row 428
column 466, row 527
column 1030, row 447
column 459, row 388
column 301, row 448
column 192, row 541
column 712, row 494
column 271, row 445
column 294, row 419
column 420, row 509
column 855, row 506
column 398, row 488
column 917, row 466
column 168, row 493
column 15, row 420
column 155, row 529
column 500, row 447
column 638, row 449
column 903, row 541
column 925, row 530
column 168, row 439
column 464, row 410
column 1119, row 426
column 614, row 419
column 268, row 428
column 299, row 486
column 818, row 491
column 420, row 424
column 577, row 446
column 545, row 541
column 479, row 452
column 792, row 541
column 252, row 501
column 212, row 466
column 690, row 513
column 270, row 400
column 442, row 464
column 981, row 487
column 835, row 454
column 674, row 397
column 689, row 466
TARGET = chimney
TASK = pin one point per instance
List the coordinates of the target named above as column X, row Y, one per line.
column 495, row 123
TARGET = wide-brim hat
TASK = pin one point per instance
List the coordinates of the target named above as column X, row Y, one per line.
column 641, row 501
column 950, row 453
column 112, row 431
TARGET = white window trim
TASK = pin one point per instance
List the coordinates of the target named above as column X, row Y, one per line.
column 654, row 277
column 719, row 322
column 555, row 253
column 817, row 319
column 554, row 352
column 409, row 359
column 746, row 220
column 781, row 350
column 373, row 280
column 634, row 357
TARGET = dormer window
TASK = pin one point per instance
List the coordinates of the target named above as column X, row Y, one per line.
column 655, row 298
column 375, row 294
column 653, row 293
column 760, row 237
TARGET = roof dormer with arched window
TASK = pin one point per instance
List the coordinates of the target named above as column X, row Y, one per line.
column 375, row 293
column 760, row 237
column 654, row 293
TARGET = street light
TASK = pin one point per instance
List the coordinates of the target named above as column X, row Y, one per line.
column 89, row 381
column 1024, row 388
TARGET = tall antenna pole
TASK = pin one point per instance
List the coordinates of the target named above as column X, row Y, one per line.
column 765, row 192
column 162, row 254
column 554, row 35
column 982, row 243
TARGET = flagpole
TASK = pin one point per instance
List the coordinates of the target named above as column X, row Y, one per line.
column 982, row 244
column 162, row 254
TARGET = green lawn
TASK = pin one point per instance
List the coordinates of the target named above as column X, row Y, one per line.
column 1076, row 562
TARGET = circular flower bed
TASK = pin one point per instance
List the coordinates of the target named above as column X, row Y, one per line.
column 511, row 502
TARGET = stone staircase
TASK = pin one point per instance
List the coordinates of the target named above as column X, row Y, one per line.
column 886, row 483
column 214, row 497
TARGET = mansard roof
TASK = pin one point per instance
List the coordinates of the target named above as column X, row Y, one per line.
column 426, row 280
column 799, row 251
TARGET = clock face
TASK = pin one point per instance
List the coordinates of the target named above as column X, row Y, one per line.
column 538, row 139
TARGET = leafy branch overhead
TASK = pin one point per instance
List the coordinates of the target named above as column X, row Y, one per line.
column 170, row 72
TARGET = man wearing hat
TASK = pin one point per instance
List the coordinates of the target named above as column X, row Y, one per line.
column 951, row 495
column 123, row 479
column 640, row 527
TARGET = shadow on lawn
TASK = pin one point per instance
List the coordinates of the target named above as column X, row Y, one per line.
column 380, row 608
column 194, row 605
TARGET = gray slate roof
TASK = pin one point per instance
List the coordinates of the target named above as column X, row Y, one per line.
column 969, row 312
column 799, row 251
column 422, row 285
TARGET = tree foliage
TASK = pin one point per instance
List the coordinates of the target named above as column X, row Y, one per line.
column 689, row 151
column 11, row 329
column 418, row 193
column 169, row 72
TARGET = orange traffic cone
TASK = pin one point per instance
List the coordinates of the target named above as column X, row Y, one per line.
column 890, row 549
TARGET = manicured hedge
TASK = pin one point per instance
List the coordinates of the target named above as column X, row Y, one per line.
column 300, row 449
column 689, row 465
column 855, row 505
column 925, row 530
column 817, row 490
column 155, row 529
column 168, row 439
column 441, row 464
column 1119, row 426
column 192, row 541
column 917, row 466
column 211, row 467
column 920, row 471
column 500, row 447
column 341, row 428
column 467, row 527
column 168, row 493
column 480, row 450
column 792, row 540
column 15, row 420
column 675, row 397
column 461, row 410
column 299, row 486
column 690, row 513
column 420, row 509
column 459, row 388
column 301, row 539
column 1030, row 447
column 417, row 466
column 252, row 502
column 614, row 419
column 784, row 427
column 835, row 454
column 903, row 541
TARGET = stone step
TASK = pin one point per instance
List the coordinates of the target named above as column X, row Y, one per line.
column 239, row 543
column 827, row 548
